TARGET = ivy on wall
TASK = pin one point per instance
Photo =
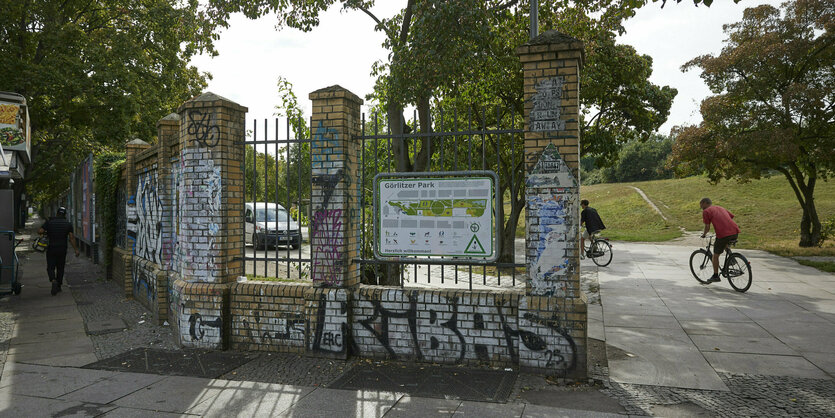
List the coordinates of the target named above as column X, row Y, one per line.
column 108, row 170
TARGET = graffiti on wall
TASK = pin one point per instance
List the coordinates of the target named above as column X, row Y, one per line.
column 144, row 281
column 197, row 216
column 203, row 126
column 148, row 218
column 328, row 232
column 551, row 194
column 458, row 328
column 331, row 335
column 287, row 329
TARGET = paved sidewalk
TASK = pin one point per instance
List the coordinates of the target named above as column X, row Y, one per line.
column 674, row 348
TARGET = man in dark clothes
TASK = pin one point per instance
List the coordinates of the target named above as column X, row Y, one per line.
column 59, row 231
column 591, row 220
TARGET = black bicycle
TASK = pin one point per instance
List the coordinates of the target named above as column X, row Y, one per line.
column 736, row 267
column 599, row 250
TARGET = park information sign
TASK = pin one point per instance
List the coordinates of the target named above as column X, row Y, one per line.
column 436, row 214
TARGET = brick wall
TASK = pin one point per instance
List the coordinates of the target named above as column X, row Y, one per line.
column 198, row 313
column 121, row 269
column 269, row 316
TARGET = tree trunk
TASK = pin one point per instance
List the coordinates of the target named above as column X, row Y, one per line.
column 399, row 146
column 508, row 235
column 810, row 225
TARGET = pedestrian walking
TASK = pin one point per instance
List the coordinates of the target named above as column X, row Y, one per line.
column 59, row 231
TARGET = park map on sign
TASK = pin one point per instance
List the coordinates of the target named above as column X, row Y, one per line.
column 449, row 217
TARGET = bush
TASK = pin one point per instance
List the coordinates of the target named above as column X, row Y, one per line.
column 637, row 161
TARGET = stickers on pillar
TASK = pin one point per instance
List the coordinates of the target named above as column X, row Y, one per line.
column 449, row 214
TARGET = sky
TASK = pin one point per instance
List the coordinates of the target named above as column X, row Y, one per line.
column 341, row 50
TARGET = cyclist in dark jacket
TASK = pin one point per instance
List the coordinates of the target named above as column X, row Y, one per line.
column 59, row 231
column 592, row 221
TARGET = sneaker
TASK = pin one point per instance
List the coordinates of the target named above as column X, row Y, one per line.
column 55, row 288
column 713, row 279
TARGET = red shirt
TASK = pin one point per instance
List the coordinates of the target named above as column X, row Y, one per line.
column 722, row 220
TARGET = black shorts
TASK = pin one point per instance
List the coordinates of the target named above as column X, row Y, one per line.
column 722, row 243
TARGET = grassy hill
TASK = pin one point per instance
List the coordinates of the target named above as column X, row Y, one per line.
column 766, row 210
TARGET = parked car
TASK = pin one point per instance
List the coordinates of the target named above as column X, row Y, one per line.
column 269, row 224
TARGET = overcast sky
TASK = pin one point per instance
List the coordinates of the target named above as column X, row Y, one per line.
column 341, row 50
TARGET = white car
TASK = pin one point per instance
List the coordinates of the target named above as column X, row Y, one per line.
column 271, row 224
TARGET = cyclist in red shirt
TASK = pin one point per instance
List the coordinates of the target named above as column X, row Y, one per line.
column 726, row 231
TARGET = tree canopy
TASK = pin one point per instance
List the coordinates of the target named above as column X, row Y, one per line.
column 96, row 73
column 773, row 108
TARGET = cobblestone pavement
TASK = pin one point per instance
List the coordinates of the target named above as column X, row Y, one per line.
column 100, row 300
column 750, row 395
column 6, row 328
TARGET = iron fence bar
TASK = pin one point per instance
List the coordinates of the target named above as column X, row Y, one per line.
column 287, row 234
column 470, row 167
column 277, row 199
column 499, row 194
column 484, row 167
column 362, row 192
column 436, row 262
column 254, row 206
column 513, row 181
column 376, row 171
column 441, row 168
column 266, row 215
column 439, row 134
column 299, row 133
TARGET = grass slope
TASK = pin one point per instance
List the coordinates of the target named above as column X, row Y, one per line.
column 766, row 210
column 626, row 215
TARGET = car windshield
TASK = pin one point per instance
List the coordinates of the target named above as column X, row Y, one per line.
column 270, row 215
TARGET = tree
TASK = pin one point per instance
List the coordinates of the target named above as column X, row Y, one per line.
column 774, row 104
column 96, row 74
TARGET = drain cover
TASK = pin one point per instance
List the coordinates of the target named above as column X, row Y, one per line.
column 195, row 363
column 443, row 382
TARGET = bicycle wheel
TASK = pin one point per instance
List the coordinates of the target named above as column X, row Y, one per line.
column 738, row 272
column 601, row 253
column 701, row 266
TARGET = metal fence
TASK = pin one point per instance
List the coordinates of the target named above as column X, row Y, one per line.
column 469, row 140
column 277, row 170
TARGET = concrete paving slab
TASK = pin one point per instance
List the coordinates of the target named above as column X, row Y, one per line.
column 642, row 321
column 330, row 403
column 659, row 357
column 816, row 337
column 105, row 326
column 579, row 399
column 538, row 411
column 26, row 328
column 765, row 364
column 250, row 399
column 69, row 360
column 684, row 312
column 414, row 407
column 123, row 412
column 733, row 344
column 112, row 388
column 824, row 361
column 173, row 394
column 79, row 344
column 12, row 405
column 486, row 409
column 47, row 337
column 46, row 381
column 714, row 327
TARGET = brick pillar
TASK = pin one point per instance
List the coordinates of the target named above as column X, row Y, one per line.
column 210, row 211
column 335, row 167
column 168, row 135
column 554, row 304
column 132, row 148
column 335, row 226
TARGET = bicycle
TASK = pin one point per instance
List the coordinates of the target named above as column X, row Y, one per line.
column 736, row 268
column 599, row 250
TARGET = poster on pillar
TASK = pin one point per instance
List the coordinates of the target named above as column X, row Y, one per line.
column 450, row 214
column 551, row 193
